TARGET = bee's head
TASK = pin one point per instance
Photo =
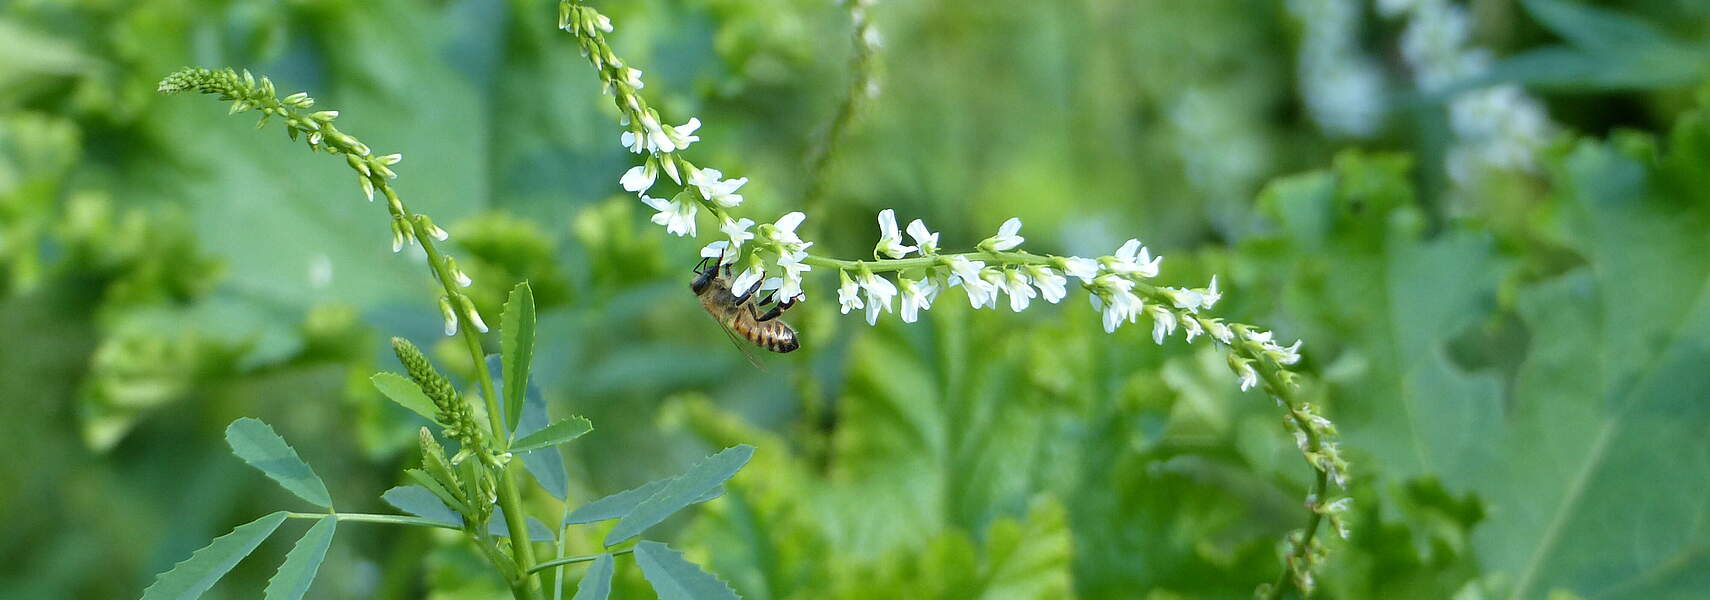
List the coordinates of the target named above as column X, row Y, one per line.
column 703, row 277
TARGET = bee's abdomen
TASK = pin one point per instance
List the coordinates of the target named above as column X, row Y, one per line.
column 771, row 335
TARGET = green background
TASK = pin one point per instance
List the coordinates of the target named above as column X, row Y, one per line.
column 1516, row 364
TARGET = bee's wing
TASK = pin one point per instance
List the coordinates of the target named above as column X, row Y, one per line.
column 740, row 347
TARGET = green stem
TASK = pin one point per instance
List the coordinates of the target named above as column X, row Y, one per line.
column 820, row 158
column 509, row 499
column 370, row 518
column 898, row 264
column 1320, row 483
column 576, row 559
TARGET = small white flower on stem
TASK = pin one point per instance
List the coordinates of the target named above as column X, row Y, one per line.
column 791, row 287
column 1114, row 297
column 449, row 315
column 436, row 233
column 657, row 140
column 677, row 217
column 603, row 22
column 1210, row 295
column 1020, row 289
column 745, row 280
column 1133, row 259
column 719, row 249
column 1220, row 331
column 1163, row 323
column 1285, row 355
column 1191, row 327
column 926, row 241
column 640, row 178
column 715, row 188
column 1246, row 375
column 473, row 315
column 1085, row 269
column 880, row 291
column 848, row 294
column 737, row 231
column 993, row 279
column 635, row 143
column 681, row 134
column 917, row 295
column 632, row 76
column 1052, row 287
column 890, row 240
column 1006, row 238
column 967, row 273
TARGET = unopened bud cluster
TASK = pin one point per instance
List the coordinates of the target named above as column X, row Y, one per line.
column 452, row 411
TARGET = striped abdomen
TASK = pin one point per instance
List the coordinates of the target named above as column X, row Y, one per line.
column 772, row 335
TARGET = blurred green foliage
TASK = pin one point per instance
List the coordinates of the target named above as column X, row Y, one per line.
column 1518, row 378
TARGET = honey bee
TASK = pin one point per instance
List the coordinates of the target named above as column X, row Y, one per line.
column 739, row 315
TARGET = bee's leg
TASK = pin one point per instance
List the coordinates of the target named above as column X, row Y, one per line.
column 767, row 299
column 777, row 309
column 750, row 293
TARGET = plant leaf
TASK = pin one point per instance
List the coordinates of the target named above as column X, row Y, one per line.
column 619, row 504
column 555, row 434
column 516, row 347
column 546, row 465
column 255, row 442
column 1591, row 27
column 422, row 502
column 292, row 579
column 702, row 477
column 597, row 582
column 406, row 393
column 189, row 579
column 675, row 578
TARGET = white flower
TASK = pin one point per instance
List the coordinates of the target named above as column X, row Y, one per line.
column 720, row 250
column 1114, row 296
column 1132, row 258
column 784, row 231
column 917, row 295
column 890, row 240
column 1221, row 332
column 1006, row 238
column 744, row 281
column 1209, row 296
column 1245, row 373
column 603, row 22
column 1020, row 289
column 640, row 178
column 1163, row 323
column 879, row 294
column 793, row 267
column 473, row 315
column 738, row 231
column 1085, row 269
column 1051, row 285
column 1185, row 299
column 681, row 134
column 1191, row 327
column 632, row 76
column 657, row 139
column 1262, row 338
column 925, row 240
column 994, row 279
column 716, row 189
column 1285, row 355
column 677, row 217
column 449, row 315
column 848, row 295
column 967, row 273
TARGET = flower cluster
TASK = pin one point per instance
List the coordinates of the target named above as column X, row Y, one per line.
column 774, row 256
column 373, row 172
column 1498, row 128
column 1341, row 84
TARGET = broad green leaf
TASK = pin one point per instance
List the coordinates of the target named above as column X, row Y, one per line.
column 675, row 578
column 546, row 465
column 537, row 531
column 555, row 434
column 701, row 478
column 257, row 444
column 189, row 579
column 406, row 393
column 516, row 331
column 421, row 502
column 294, row 576
column 619, row 504
column 596, row 584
